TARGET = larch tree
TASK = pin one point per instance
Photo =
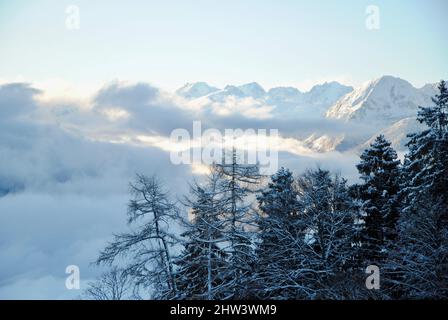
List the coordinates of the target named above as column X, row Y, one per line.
column 238, row 181
column 114, row 284
column 327, row 216
column 147, row 249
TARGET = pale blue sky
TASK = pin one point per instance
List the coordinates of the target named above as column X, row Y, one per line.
column 169, row 42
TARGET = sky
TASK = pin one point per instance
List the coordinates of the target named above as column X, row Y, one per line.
column 168, row 43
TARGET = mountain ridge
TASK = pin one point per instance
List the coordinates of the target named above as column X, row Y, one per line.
column 288, row 101
column 386, row 105
column 383, row 100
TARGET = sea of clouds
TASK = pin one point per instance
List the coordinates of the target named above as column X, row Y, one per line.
column 65, row 166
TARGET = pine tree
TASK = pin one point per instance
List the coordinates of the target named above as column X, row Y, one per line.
column 379, row 210
column 202, row 261
column 276, row 251
column 149, row 245
column 422, row 259
column 426, row 167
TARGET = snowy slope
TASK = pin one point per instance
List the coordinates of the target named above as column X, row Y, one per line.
column 383, row 101
column 285, row 95
column 324, row 143
column 429, row 90
column 248, row 90
column 316, row 101
column 287, row 101
column 326, row 94
column 195, row 90
column 396, row 134
column 253, row 90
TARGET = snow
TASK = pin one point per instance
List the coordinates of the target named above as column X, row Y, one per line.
column 383, row 101
column 195, row 90
column 252, row 89
column 287, row 101
column 286, row 94
column 327, row 93
column 387, row 105
column 396, row 133
column 324, row 143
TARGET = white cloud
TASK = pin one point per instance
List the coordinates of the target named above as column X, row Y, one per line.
column 65, row 168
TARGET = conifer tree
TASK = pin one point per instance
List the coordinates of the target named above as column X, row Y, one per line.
column 425, row 165
column 276, row 250
column 202, row 262
column 422, row 257
column 379, row 210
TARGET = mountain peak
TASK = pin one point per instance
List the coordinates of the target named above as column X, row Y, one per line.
column 195, row 90
column 233, row 91
column 388, row 80
column 429, row 89
column 388, row 77
column 252, row 89
column 385, row 99
column 284, row 89
column 284, row 92
column 327, row 93
column 327, row 86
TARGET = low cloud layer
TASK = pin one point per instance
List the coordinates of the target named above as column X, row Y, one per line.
column 65, row 168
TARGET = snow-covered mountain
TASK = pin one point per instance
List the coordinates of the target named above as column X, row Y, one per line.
column 285, row 95
column 195, row 90
column 429, row 90
column 287, row 100
column 324, row 143
column 320, row 97
column 396, row 134
column 387, row 105
column 253, row 90
column 383, row 101
column 326, row 94
column 250, row 90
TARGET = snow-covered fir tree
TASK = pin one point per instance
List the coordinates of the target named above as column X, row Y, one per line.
column 422, row 257
column 379, row 170
column 147, row 249
column 278, row 236
column 202, row 263
column 425, row 165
